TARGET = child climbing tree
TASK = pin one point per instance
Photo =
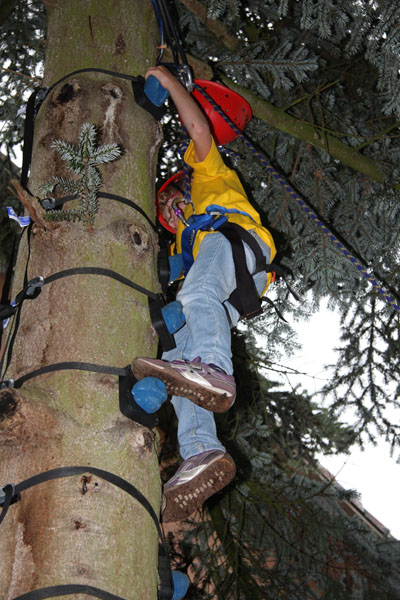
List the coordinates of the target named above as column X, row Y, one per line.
column 323, row 81
column 81, row 529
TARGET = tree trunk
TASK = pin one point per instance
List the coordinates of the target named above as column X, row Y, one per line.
column 83, row 529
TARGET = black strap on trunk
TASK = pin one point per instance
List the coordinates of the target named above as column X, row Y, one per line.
column 12, row 494
column 156, row 302
column 38, row 96
column 55, row 591
column 127, row 403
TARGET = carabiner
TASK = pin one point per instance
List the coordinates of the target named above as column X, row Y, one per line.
column 178, row 211
column 186, row 77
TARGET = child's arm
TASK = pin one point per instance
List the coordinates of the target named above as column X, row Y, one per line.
column 190, row 113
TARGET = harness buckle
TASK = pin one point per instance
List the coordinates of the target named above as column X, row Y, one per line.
column 179, row 212
column 34, row 287
column 14, row 497
column 7, row 383
column 48, row 203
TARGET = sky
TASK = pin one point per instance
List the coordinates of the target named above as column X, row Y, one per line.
column 372, row 472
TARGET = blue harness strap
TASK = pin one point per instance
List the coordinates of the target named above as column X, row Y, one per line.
column 197, row 223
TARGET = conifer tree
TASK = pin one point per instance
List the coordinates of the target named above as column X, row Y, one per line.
column 82, row 529
column 323, row 81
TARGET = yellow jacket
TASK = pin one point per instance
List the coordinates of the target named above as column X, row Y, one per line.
column 214, row 183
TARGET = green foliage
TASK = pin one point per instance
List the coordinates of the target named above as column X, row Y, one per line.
column 332, row 66
column 81, row 160
column 21, row 56
column 285, row 530
column 219, row 8
column 22, row 44
column 367, row 373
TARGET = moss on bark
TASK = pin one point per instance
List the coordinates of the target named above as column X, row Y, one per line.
column 59, row 533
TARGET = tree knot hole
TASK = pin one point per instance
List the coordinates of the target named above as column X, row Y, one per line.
column 66, row 93
column 8, row 403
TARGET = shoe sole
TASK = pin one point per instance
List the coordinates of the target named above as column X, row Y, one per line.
column 183, row 500
column 178, row 385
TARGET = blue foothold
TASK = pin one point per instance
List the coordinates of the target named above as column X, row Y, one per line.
column 150, row 393
column 181, row 585
column 173, row 315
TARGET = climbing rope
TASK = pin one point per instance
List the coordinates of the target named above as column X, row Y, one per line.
column 303, row 205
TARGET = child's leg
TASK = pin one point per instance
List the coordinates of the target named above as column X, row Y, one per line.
column 210, row 282
column 204, row 295
column 196, row 426
column 206, row 467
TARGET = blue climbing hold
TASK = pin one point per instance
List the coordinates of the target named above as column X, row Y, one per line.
column 155, row 92
column 181, row 585
column 150, row 393
column 173, row 316
column 175, row 266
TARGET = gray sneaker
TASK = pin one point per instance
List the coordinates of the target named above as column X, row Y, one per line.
column 203, row 384
column 197, row 478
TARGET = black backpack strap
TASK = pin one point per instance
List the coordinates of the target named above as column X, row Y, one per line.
column 245, row 297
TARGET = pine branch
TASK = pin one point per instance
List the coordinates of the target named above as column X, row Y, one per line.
column 6, row 8
column 379, row 135
column 278, row 118
column 216, row 27
column 247, row 584
column 81, row 160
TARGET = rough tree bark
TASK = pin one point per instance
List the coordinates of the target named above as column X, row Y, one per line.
column 82, row 529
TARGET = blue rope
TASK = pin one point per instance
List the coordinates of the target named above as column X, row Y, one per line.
column 303, row 205
column 187, row 170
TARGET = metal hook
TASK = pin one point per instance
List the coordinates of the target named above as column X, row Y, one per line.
column 178, row 211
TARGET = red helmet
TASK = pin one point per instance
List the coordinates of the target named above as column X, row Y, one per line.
column 173, row 182
column 232, row 104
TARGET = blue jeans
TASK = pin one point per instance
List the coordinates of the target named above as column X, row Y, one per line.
column 205, row 291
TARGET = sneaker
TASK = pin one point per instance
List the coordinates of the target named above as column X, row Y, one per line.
column 203, row 384
column 197, row 479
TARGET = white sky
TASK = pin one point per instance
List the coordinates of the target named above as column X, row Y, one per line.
column 373, row 473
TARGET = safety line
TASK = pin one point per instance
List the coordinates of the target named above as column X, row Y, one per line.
column 303, row 205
